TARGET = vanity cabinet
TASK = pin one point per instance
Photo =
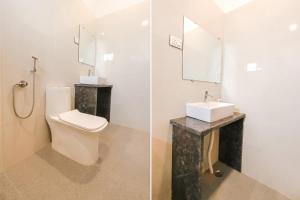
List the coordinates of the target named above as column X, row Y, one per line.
column 93, row 99
column 187, row 151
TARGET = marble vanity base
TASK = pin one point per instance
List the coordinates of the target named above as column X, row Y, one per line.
column 186, row 168
column 187, row 151
column 93, row 99
column 230, row 144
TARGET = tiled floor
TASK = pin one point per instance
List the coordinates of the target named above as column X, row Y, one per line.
column 236, row 186
column 232, row 186
column 121, row 173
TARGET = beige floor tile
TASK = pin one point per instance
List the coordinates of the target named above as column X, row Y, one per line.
column 236, row 186
column 124, row 167
column 7, row 189
column 122, row 171
column 262, row 192
column 37, row 180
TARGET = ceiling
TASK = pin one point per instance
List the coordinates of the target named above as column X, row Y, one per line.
column 230, row 5
column 104, row 7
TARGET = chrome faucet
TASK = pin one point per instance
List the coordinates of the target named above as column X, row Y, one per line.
column 207, row 95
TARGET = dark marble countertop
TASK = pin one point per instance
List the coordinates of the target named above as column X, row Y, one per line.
column 202, row 128
column 93, row 85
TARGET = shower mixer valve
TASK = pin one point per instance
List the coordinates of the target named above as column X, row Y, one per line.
column 22, row 84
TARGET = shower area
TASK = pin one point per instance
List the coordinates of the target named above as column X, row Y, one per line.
column 34, row 52
column 23, row 127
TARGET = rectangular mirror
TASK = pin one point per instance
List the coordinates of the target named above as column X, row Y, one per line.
column 87, row 46
column 202, row 54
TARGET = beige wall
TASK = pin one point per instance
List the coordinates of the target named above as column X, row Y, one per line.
column 259, row 33
column 129, row 71
column 1, row 96
column 170, row 92
column 161, row 170
column 44, row 29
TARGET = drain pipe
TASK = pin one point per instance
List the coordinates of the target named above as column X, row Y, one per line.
column 211, row 143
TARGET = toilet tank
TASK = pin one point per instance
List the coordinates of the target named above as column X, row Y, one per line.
column 58, row 100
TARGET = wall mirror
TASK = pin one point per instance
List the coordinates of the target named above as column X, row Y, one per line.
column 87, row 46
column 202, row 54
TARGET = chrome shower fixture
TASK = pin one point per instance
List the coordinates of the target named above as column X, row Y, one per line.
column 23, row 84
column 35, row 59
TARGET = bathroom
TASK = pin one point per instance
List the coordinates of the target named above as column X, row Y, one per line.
column 149, row 99
column 64, row 37
column 260, row 42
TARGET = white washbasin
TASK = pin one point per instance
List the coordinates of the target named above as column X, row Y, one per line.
column 209, row 111
column 90, row 80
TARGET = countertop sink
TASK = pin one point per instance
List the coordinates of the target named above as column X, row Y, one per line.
column 209, row 111
column 89, row 79
column 94, row 80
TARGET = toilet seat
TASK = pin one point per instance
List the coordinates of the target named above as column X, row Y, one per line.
column 82, row 121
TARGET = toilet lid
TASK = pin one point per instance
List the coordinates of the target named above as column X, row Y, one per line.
column 82, row 120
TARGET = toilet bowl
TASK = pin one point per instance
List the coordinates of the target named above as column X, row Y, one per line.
column 74, row 134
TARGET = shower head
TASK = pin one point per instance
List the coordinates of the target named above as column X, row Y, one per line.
column 35, row 59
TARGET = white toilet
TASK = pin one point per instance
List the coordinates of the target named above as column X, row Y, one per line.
column 74, row 134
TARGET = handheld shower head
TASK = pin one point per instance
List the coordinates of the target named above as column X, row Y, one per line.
column 35, row 59
column 23, row 84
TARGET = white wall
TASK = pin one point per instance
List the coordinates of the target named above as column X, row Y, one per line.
column 101, row 8
column 259, row 33
column 121, row 33
column 35, row 28
column 170, row 92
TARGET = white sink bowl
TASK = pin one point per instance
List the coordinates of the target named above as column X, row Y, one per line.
column 90, row 80
column 209, row 111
